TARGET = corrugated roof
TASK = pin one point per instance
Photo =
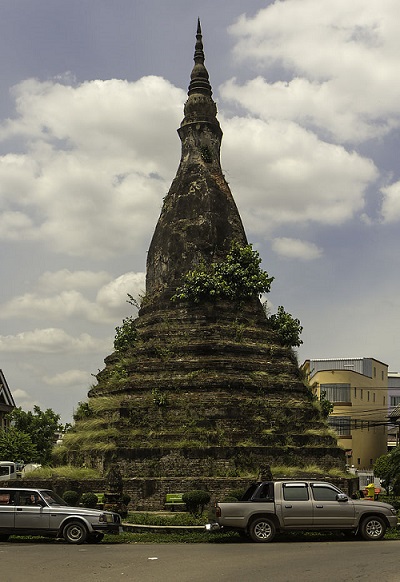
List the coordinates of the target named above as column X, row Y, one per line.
column 395, row 413
column 5, row 393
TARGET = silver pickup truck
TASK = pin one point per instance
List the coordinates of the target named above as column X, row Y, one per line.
column 273, row 506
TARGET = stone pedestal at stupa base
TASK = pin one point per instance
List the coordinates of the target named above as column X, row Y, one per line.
column 207, row 395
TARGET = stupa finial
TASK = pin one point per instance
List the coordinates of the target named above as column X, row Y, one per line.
column 199, row 82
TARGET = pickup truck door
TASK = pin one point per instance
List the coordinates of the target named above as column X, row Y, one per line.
column 328, row 511
column 295, row 505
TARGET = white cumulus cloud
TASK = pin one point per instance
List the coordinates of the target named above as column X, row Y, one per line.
column 296, row 249
column 114, row 295
column 339, row 58
column 93, row 169
column 45, row 303
column 391, row 202
column 288, row 175
column 68, row 378
column 66, row 279
column 24, row 400
column 50, row 341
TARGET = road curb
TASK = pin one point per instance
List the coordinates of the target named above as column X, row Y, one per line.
column 138, row 528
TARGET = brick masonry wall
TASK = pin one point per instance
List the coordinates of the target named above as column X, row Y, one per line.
column 149, row 494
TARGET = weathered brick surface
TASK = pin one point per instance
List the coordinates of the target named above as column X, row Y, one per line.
column 148, row 494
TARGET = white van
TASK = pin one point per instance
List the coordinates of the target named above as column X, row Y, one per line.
column 8, row 471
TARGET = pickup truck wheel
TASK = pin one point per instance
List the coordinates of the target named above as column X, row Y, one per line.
column 262, row 530
column 75, row 532
column 373, row 528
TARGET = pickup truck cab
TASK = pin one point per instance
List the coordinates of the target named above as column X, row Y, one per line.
column 272, row 506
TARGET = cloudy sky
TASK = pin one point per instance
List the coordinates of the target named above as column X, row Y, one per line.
column 308, row 94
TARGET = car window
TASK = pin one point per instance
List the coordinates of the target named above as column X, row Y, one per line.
column 250, row 491
column 7, row 497
column 265, row 492
column 295, row 492
column 52, row 498
column 29, row 498
column 324, row 493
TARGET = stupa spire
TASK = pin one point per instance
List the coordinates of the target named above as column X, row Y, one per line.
column 200, row 105
column 199, row 79
column 199, row 219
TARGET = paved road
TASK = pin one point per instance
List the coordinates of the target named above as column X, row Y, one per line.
column 278, row 562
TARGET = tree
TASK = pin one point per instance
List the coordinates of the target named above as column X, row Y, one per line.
column 326, row 405
column 196, row 501
column 288, row 328
column 83, row 411
column 125, row 335
column 41, row 427
column 16, row 445
column 237, row 277
column 387, row 467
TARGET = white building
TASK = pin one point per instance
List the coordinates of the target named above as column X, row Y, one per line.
column 393, row 403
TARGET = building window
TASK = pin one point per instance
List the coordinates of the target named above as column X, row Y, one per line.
column 361, row 393
column 336, row 392
column 368, row 395
column 394, row 400
column 374, row 397
column 340, row 424
column 355, row 392
column 374, row 372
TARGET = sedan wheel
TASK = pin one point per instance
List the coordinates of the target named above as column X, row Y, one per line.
column 75, row 532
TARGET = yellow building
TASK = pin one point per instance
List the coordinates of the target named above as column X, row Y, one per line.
column 358, row 390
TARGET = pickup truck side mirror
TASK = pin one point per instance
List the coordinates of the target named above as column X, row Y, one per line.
column 341, row 497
